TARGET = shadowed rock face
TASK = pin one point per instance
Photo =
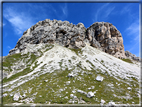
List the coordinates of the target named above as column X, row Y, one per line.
column 101, row 35
column 131, row 56
column 109, row 38
column 47, row 31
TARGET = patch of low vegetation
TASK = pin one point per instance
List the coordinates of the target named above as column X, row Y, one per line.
column 48, row 86
column 24, row 72
column 11, row 59
column 127, row 60
column 48, row 91
column 77, row 51
column 50, row 46
column 102, row 61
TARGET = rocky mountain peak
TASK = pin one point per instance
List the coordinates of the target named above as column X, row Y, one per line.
column 58, row 62
column 101, row 35
column 109, row 38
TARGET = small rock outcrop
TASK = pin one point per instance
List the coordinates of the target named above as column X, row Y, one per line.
column 90, row 94
column 16, row 97
column 99, row 78
column 101, row 35
column 131, row 56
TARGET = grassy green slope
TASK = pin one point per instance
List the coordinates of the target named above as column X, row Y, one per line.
column 53, row 87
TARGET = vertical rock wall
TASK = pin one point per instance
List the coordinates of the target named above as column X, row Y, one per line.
column 101, row 35
column 105, row 36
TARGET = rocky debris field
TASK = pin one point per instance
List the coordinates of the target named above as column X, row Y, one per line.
column 53, row 74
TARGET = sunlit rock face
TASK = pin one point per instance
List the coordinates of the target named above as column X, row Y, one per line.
column 101, row 35
column 109, row 38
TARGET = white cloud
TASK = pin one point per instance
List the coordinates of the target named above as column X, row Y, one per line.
column 103, row 12
column 3, row 24
column 108, row 11
column 133, row 30
column 134, row 46
column 62, row 11
column 65, row 10
column 20, row 21
column 126, row 9
column 8, row 47
column 23, row 20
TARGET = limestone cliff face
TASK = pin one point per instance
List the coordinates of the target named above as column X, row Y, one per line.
column 101, row 35
column 109, row 38
column 47, row 31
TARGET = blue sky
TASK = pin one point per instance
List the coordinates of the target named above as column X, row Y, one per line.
column 18, row 17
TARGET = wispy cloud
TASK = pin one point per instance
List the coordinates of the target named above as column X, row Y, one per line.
column 23, row 20
column 129, row 10
column 65, row 10
column 133, row 30
column 20, row 21
column 108, row 11
column 125, row 9
column 62, row 12
column 2, row 24
column 134, row 46
column 9, row 47
column 133, row 33
column 103, row 12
